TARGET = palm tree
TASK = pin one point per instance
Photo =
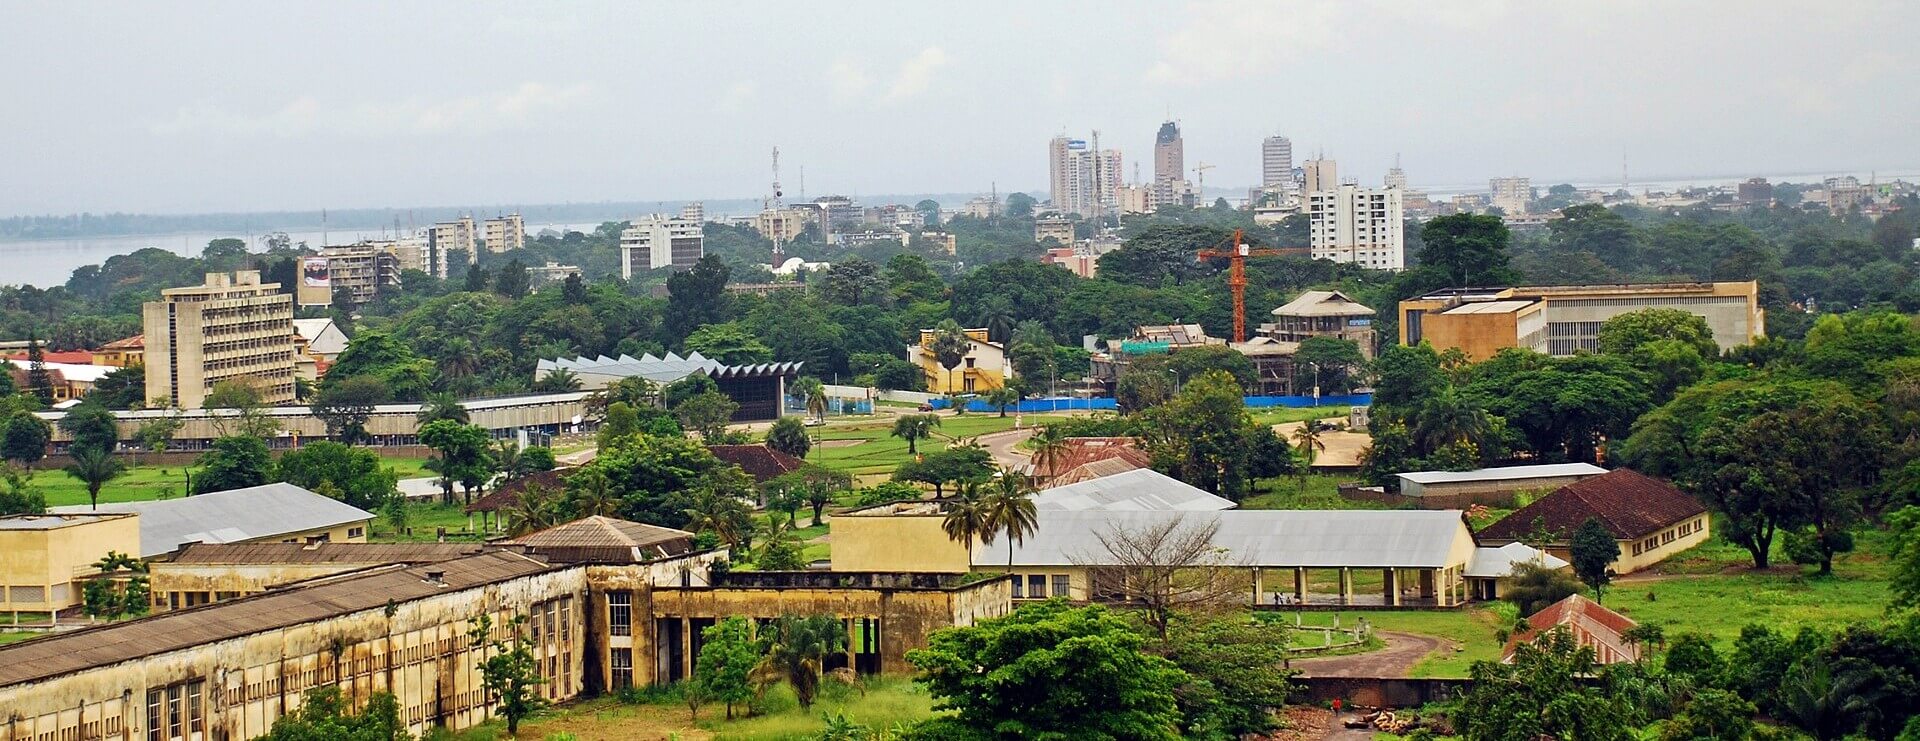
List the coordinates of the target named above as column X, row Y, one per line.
column 966, row 517
column 950, row 346
column 1307, row 438
column 533, row 510
column 792, row 648
column 814, row 393
column 1009, row 509
column 1448, row 417
column 716, row 514
column 442, row 405
column 94, row 468
column 557, row 381
column 1003, row 397
column 506, row 460
column 997, row 317
column 1049, row 446
column 915, row 427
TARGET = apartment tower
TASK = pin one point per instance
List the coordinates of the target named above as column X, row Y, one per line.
column 1276, row 162
column 1169, row 164
column 231, row 328
column 445, row 237
column 1082, row 180
column 1357, row 225
column 660, row 241
column 504, row 234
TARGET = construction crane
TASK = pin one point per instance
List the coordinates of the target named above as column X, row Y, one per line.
column 1200, row 184
column 1237, row 276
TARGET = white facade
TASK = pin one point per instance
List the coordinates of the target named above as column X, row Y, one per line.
column 1397, row 178
column 659, row 241
column 1357, row 225
column 447, row 236
column 1321, row 175
column 1276, row 162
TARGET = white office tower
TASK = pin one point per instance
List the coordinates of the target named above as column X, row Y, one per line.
column 659, row 241
column 1081, row 181
column 1397, row 178
column 1276, row 162
column 1357, row 225
column 1321, row 174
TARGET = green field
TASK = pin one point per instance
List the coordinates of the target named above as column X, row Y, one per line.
column 879, row 452
column 1277, row 415
column 145, row 482
column 883, row 704
column 7, row 637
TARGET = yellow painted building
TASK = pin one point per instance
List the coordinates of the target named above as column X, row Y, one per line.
column 45, row 558
column 1560, row 320
column 983, row 369
column 122, row 352
column 1650, row 519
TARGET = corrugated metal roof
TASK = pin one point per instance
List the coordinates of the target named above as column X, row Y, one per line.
column 1490, row 307
column 1323, row 303
column 65, row 653
column 1266, row 538
column 253, row 513
column 665, row 370
column 1136, row 490
column 1504, row 473
column 50, row 522
column 1496, row 563
column 343, row 553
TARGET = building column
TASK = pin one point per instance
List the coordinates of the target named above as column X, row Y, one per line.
column 1346, row 585
column 1390, row 586
column 1257, row 587
column 1299, row 585
column 686, row 647
column 848, row 624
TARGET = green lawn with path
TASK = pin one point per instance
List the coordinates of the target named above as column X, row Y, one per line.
column 148, row 481
column 874, row 451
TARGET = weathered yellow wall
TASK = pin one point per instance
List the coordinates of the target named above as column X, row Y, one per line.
column 251, row 680
column 52, row 557
column 895, row 543
column 1629, row 563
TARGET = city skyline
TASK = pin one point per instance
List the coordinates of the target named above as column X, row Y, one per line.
column 168, row 112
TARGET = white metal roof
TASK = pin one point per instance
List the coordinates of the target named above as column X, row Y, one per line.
column 472, row 405
column 231, row 516
column 81, row 372
column 1504, row 473
column 1496, row 563
column 1323, row 303
column 1139, row 489
column 1265, row 538
column 1490, row 307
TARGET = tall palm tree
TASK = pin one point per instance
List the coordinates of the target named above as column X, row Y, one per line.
column 966, row 517
column 950, row 346
column 1010, row 510
column 814, row 393
column 535, row 509
column 1003, row 397
column 1308, row 439
column 915, row 427
column 1049, row 447
column 558, row 380
column 94, row 468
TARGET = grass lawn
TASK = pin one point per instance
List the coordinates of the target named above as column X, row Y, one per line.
column 425, row 519
column 145, row 482
column 1471, row 631
column 885, row 703
column 7, row 637
column 879, row 452
column 1320, row 492
column 1277, row 415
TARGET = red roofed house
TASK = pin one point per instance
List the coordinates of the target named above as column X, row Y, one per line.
column 1592, row 626
column 1065, row 467
column 759, row 461
column 1651, row 519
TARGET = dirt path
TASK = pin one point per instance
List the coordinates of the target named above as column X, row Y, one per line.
column 1343, row 448
column 1403, row 651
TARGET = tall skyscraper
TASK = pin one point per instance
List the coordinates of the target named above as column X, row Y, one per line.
column 1169, row 164
column 1276, row 162
column 1357, row 225
column 230, row 328
column 1080, row 180
column 1322, row 175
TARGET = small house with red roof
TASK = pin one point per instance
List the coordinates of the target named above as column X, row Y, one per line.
column 761, row 462
column 1651, row 519
column 1591, row 625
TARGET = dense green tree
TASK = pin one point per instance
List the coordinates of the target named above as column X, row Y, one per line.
column 355, row 473
column 1034, row 674
column 1239, row 675
column 1593, row 550
column 707, row 414
column 345, row 407
column 1160, row 255
column 789, row 436
column 121, row 388
column 234, row 462
column 1534, row 587
column 91, row 427
column 323, row 715
column 727, row 659
column 853, row 282
column 110, row 596
column 695, row 298
column 1467, row 250
column 391, row 364
column 461, row 453
column 1205, row 437
column 18, row 495
column 1547, row 691
column 513, row 281
column 956, row 465
column 24, row 438
column 1019, row 205
column 1327, row 364
column 1147, row 383
column 39, row 379
column 729, row 343
column 1624, row 334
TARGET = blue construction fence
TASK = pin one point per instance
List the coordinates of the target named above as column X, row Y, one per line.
column 835, row 405
column 1064, row 403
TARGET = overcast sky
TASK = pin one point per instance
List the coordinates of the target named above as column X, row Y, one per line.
column 193, row 106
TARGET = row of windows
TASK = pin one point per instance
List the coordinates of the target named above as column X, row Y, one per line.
column 1657, row 540
column 1036, row 586
column 174, row 712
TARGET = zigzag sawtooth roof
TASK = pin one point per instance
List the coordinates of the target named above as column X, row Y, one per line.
column 1630, row 504
column 65, row 653
column 664, row 370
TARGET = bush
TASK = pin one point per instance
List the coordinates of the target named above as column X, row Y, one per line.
column 648, row 695
column 1711, row 714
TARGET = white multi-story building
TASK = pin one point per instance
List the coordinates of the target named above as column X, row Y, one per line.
column 1319, row 175
column 1511, row 195
column 695, row 211
column 1081, row 180
column 503, row 234
column 1276, row 162
column 1397, row 178
column 446, row 237
column 659, row 241
column 1357, row 225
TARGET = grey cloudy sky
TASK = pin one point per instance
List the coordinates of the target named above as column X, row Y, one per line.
column 195, row 106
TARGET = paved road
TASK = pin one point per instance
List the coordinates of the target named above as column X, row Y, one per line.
column 1001, row 445
column 1396, row 660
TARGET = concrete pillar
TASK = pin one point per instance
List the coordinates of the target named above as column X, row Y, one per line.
column 1390, row 586
column 1259, row 596
column 849, row 623
column 1346, row 585
column 1299, row 585
column 686, row 647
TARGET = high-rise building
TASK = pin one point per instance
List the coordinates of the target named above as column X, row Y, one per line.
column 231, row 328
column 504, row 234
column 1276, row 162
column 1397, row 178
column 445, row 238
column 1357, row 225
column 660, row 241
column 695, row 211
column 1169, row 165
column 1083, row 182
column 1511, row 195
column 362, row 269
column 1319, row 175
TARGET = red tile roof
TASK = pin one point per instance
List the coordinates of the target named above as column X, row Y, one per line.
column 136, row 342
column 759, row 461
column 1121, row 461
column 1630, row 504
column 1591, row 625
column 505, row 495
column 79, row 357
